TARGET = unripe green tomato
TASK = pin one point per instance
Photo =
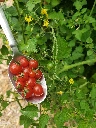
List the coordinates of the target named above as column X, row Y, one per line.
column 49, row 65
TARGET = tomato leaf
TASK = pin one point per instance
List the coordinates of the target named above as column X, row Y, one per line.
column 30, row 46
column 43, row 120
column 84, row 105
column 61, row 117
column 30, row 111
column 31, row 4
column 25, row 121
column 93, row 93
column 63, row 48
column 55, row 2
column 4, row 50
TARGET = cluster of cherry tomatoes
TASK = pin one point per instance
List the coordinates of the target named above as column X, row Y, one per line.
column 27, row 76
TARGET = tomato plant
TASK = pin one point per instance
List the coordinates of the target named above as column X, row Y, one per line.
column 60, row 36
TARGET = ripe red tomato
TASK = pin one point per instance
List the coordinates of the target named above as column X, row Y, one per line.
column 24, row 62
column 32, row 73
column 33, row 64
column 20, row 85
column 15, row 68
column 26, row 70
column 22, row 77
column 38, row 90
column 31, row 82
column 39, row 74
column 27, row 92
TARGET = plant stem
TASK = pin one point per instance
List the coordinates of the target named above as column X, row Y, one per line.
column 93, row 8
column 17, row 7
column 54, row 49
column 67, row 67
column 18, row 102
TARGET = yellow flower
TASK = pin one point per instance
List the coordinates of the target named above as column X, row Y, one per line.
column 44, row 11
column 71, row 81
column 60, row 92
column 28, row 19
column 46, row 22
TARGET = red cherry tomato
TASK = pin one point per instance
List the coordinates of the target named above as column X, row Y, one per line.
column 22, row 77
column 27, row 92
column 31, row 82
column 33, row 64
column 39, row 74
column 24, row 62
column 38, row 90
column 32, row 73
column 15, row 68
column 26, row 70
column 20, row 85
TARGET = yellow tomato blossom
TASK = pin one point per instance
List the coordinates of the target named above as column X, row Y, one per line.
column 46, row 22
column 44, row 11
column 71, row 81
column 28, row 19
column 60, row 92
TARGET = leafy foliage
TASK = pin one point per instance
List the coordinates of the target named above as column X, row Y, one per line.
column 61, row 35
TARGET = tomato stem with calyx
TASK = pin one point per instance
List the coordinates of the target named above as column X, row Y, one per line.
column 67, row 67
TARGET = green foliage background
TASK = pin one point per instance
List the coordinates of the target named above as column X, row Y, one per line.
column 65, row 49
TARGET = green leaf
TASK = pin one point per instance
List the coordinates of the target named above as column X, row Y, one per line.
column 63, row 48
column 4, row 50
column 24, row 1
column 9, row 59
column 80, row 94
column 90, row 52
column 83, row 34
column 4, row 104
column 76, row 55
column 31, row 4
column 61, row 117
column 89, row 40
column 25, row 121
column 93, row 93
column 43, row 120
column 79, row 49
column 30, row 45
column 83, row 10
column 72, row 43
column 0, row 114
column 12, row 10
column 48, row 1
column 30, row 111
column 56, row 15
column 55, row 2
column 15, row 24
column 91, row 19
column 78, row 34
column 78, row 4
column 84, row 105
column 94, row 76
